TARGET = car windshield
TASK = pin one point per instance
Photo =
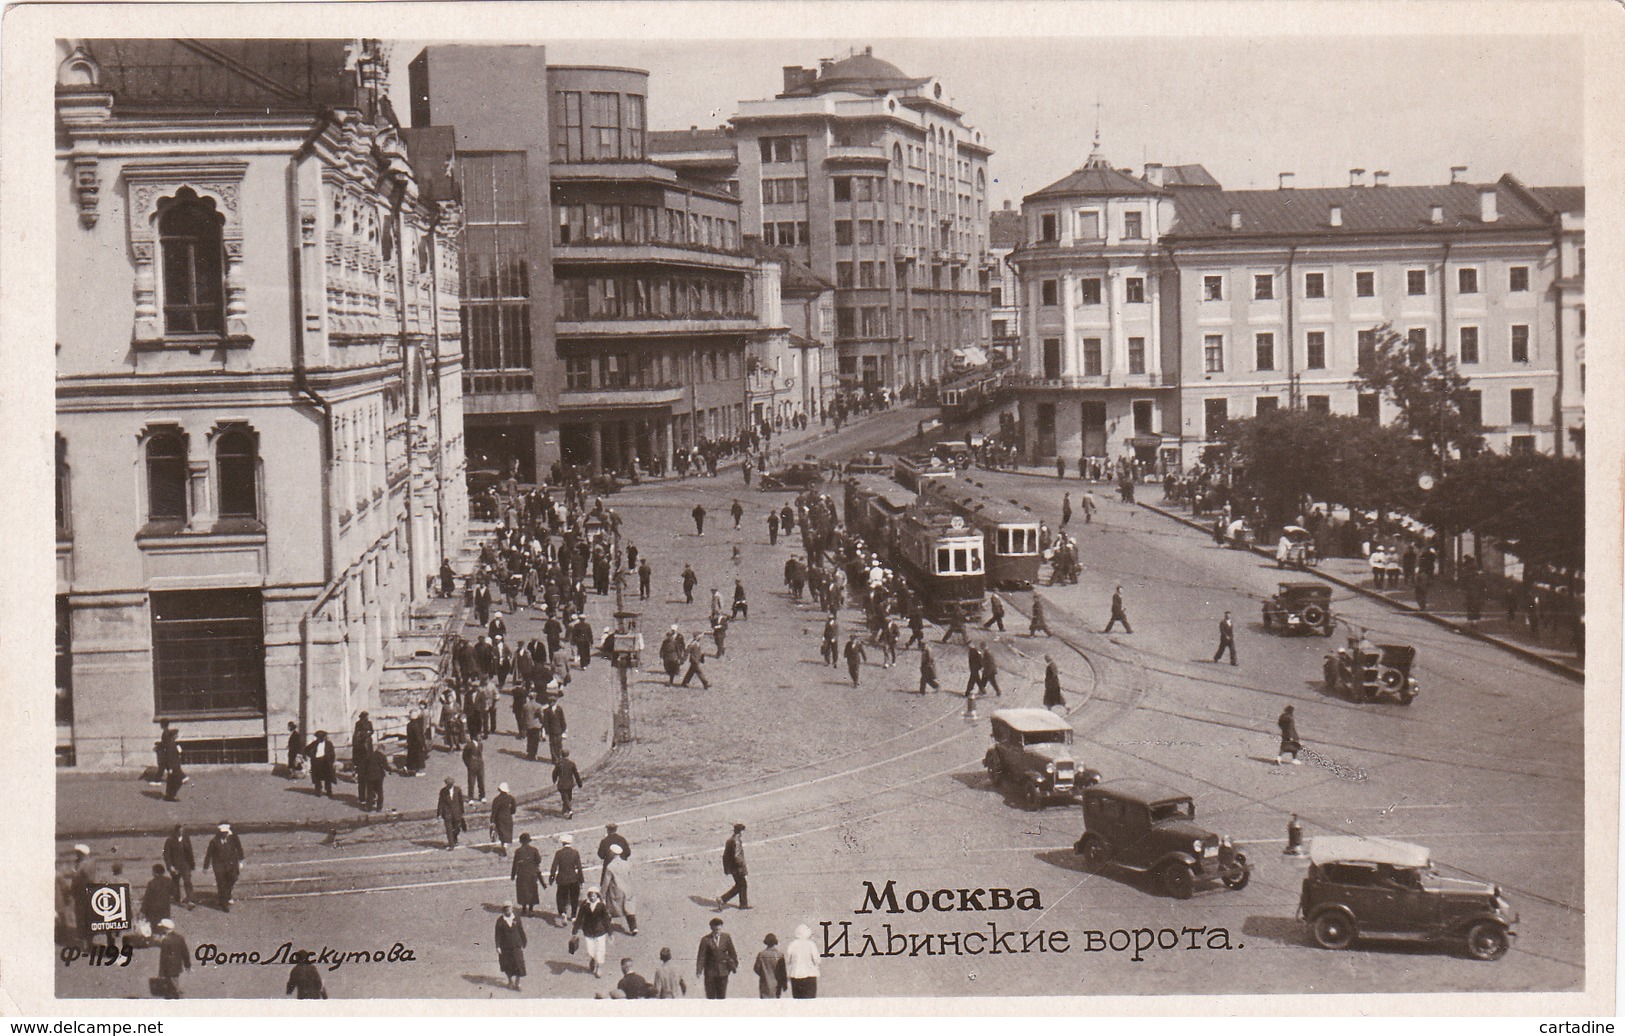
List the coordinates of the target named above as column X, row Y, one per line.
column 1047, row 737
column 1183, row 809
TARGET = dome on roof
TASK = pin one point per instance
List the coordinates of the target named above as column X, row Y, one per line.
column 860, row 69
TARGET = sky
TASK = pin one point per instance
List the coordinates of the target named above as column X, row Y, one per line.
column 1246, row 108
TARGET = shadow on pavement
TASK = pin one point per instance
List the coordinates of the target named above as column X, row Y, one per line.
column 1281, row 931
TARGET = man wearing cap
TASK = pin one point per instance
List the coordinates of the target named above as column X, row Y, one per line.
column 565, row 873
column 567, row 778
column 180, row 862
column 158, row 899
column 323, row 760
column 224, row 856
column 450, row 811
column 174, row 959
column 304, row 980
column 733, row 865
column 612, row 837
column 373, row 768
column 530, row 720
column 715, row 960
column 503, row 807
column 554, row 725
column 474, row 763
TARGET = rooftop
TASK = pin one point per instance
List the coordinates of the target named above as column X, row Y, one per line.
column 672, row 142
column 1004, row 229
column 1364, row 210
column 1561, row 199
column 859, row 74
column 1096, row 179
column 231, row 76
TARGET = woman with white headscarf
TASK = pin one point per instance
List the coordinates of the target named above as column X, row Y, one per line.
column 593, row 925
column 619, row 893
column 801, row 965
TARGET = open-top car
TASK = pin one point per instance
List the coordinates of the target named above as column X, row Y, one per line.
column 1382, row 889
column 1300, row 607
column 1296, row 548
column 803, row 474
column 1032, row 753
column 1365, row 671
column 1151, row 829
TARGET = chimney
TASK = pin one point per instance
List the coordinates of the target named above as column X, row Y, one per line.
column 1285, row 181
column 1354, row 177
column 1154, row 174
column 1235, row 219
column 1335, row 216
column 1379, row 178
column 1486, row 205
column 796, row 77
column 1007, row 205
column 1458, row 174
column 1436, row 214
column 868, row 52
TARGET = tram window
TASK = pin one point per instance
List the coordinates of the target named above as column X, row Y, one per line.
column 1004, row 542
column 944, row 563
column 961, row 562
column 975, row 560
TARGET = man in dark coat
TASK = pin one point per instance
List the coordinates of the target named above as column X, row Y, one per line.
column 526, row 873
column 645, row 575
column 158, row 899
column 374, row 768
column 474, row 763
column 956, row 624
column 178, row 859
column 690, row 581
column 224, row 856
column 296, row 750
column 773, row 528
column 565, row 873
column 304, row 981
column 995, row 616
column 450, row 811
column 503, row 808
column 567, row 778
column 715, row 960
column 174, row 959
column 990, row 672
column 530, row 719
column 323, row 764
column 855, row 657
column 554, row 725
column 928, row 669
column 1052, row 684
column 1290, row 746
column 737, row 510
column 1118, row 614
column 699, row 519
column 360, row 740
column 733, row 865
column 973, row 669
column 417, row 743
column 612, row 837
column 1227, row 639
column 1038, row 621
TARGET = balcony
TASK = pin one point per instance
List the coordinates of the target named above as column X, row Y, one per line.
column 497, row 382
column 629, row 396
column 574, row 325
column 848, row 154
column 650, row 252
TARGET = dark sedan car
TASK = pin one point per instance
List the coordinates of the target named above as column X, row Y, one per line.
column 803, row 474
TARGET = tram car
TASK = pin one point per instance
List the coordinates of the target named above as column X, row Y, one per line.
column 912, row 473
column 964, row 395
column 1009, row 533
column 936, row 551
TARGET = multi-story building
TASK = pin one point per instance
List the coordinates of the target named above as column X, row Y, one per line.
column 879, row 185
column 1004, row 236
column 652, row 300
column 1567, row 208
column 258, row 392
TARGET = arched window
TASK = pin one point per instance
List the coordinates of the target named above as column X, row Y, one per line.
column 236, row 463
column 897, row 155
column 166, row 477
column 189, row 235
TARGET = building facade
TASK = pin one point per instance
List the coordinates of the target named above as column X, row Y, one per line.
column 1005, row 235
column 259, row 450
column 1567, row 209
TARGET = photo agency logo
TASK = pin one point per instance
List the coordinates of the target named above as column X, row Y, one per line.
column 110, row 908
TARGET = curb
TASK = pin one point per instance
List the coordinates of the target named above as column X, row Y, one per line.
column 1560, row 668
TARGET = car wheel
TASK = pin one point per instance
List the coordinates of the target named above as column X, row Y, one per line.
column 1487, row 940
column 1241, row 877
column 1095, row 853
column 1177, row 880
column 1334, row 930
column 1313, row 615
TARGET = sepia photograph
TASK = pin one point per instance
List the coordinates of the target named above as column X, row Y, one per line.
column 555, row 515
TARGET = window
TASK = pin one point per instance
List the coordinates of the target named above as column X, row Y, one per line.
column 166, row 476
column 843, row 232
column 208, row 652
column 779, row 150
column 1520, row 343
column 1318, row 404
column 1417, row 339
column 1472, row 409
column 846, row 322
column 236, row 458
column 1266, row 405
column 1001, row 329
column 634, row 126
column 1314, row 285
column 606, row 125
column 1264, row 350
column 1090, row 289
column 1369, row 406
column 866, row 231
column 496, row 258
column 1467, row 281
column 1315, row 350
column 866, row 274
column 1092, row 360
column 1523, row 444
column 1216, row 416
column 995, row 297
column 1212, row 288
column 1263, row 286
column 1088, row 226
column 1046, row 224
column 1365, row 352
column 1416, row 282
column 1144, row 417
column 1523, row 406
column 843, row 275
column 567, row 146
column 1518, row 278
column 1049, row 293
column 1365, row 284
column 843, row 188
column 1052, row 358
column 191, row 245
column 1133, row 225
column 1213, row 353
column 1134, row 289
column 1136, row 355
column 1469, row 344
column 578, row 373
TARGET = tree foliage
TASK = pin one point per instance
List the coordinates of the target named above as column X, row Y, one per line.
column 1533, row 503
column 1432, row 396
column 1284, row 456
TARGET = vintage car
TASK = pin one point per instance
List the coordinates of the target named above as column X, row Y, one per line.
column 1381, row 889
column 956, row 452
column 803, row 474
column 1366, row 671
column 1151, row 829
column 871, row 463
column 1300, row 607
column 1296, row 548
column 1032, row 753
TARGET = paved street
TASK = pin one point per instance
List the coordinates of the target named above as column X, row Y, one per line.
column 841, row 785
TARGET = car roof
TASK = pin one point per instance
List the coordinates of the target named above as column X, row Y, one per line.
column 1031, row 720
column 1307, row 587
column 1137, row 790
column 1355, row 849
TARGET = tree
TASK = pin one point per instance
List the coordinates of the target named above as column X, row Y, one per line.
column 1532, row 503
column 1285, row 456
column 1433, row 398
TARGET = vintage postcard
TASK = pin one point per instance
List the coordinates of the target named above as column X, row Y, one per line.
column 1063, row 507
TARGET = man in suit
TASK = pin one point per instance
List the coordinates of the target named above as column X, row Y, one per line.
column 474, row 763
column 374, row 768
column 1227, row 639
column 174, row 959
column 554, row 726
column 323, row 762
column 225, row 857
column 715, row 960
column 565, row 874
column 450, row 811
column 1052, row 684
column 360, row 740
column 531, row 719
column 990, row 672
column 733, row 865
column 973, row 670
column 567, row 777
column 180, row 862
column 158, row 900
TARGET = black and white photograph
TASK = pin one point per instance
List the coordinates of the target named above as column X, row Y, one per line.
column 896, row 504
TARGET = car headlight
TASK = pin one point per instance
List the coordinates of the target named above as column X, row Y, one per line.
column 1050, row 768
column 1196, row 846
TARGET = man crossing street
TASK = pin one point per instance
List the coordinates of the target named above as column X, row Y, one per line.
column 1227, row 639
column 1118, row 614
